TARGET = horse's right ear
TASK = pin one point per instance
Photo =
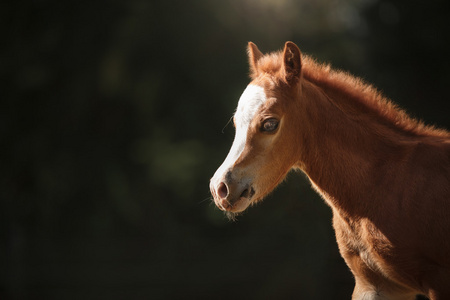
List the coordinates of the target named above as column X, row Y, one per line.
column 253, row 56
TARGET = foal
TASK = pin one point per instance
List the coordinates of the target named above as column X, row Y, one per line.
column 385, row 176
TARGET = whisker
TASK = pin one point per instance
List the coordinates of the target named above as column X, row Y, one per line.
column 231, row 216
column 229, row 121
column 210, row 198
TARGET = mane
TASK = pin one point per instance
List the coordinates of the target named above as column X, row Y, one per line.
column 357, row 90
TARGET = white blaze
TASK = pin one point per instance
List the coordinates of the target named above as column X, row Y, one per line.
column 251, row 100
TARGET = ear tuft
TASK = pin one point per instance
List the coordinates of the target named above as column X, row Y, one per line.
column 253, row 56
column 292, row 63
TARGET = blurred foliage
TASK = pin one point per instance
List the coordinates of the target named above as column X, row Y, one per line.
column 114, row 118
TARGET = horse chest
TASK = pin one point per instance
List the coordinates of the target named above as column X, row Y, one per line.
column 362, row 247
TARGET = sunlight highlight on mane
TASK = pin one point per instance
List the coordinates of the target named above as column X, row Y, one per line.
column 364, row 94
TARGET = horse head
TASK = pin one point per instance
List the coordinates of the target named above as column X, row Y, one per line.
column 262, row 152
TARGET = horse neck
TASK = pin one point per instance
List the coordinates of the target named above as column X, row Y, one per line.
column 340, row 154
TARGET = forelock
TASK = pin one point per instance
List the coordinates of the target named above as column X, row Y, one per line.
column 270, row 63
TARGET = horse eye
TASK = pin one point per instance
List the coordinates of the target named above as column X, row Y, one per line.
column 269, row 125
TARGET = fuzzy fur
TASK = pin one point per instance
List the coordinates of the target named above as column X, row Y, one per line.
column 385, row 175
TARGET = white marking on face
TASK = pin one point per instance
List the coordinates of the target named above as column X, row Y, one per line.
column 250, row 102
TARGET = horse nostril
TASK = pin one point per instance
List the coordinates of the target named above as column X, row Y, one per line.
column 222, row 191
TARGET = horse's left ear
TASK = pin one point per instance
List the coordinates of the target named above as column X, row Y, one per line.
column 292, row 63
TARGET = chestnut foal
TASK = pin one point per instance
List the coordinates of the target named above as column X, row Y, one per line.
column 385, row 176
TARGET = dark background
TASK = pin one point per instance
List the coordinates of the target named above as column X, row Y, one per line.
column 113, row 119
